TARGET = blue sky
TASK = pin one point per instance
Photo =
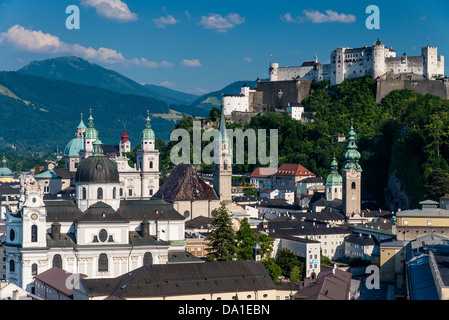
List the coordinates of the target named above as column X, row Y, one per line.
column 201, row 46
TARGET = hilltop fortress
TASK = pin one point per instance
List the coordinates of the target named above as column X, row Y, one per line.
column 288, row 86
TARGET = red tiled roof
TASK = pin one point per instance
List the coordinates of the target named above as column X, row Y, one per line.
column 294, row 170
column 262, row 172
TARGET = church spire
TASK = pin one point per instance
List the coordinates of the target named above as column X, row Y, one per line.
column 148, row 133
column 90, row 132
column 351, row 155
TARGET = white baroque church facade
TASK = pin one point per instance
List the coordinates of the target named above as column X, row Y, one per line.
column 138, row 182
column 98, row 234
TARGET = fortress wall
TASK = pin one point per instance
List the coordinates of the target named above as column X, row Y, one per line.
column 435, row 87
column 292, row 91
column 289, row 73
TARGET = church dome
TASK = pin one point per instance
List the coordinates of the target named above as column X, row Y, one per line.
column 73, row 147
column 4, row 170
column 97, row 169
column 334, row 178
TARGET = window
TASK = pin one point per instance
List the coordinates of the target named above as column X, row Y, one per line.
column 151, row 192
column 57, row 261
column 34, row 269
column 33, row 233
column 147, row 259
column 103, row 263
column 12, row 266
column 103, row 235
column 114, row 193
column 84, row 193
column 100, row 193
column 353, row 185
column 121, row 192
column 12, row 235
column 151, row 164
column 130, row 192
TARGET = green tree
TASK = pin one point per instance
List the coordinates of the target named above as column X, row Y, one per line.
column 325, row 260
column 286, row 259
column 214, row 113
column 272, row 268
column 246, row 239
column 295, row 274
column 222, row 240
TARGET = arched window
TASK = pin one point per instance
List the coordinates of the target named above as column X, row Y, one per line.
column 151, row 164
column 353, row 185
column 103, row 263
column 33, row 233
column 84, row 193
column 57, row 261
column 100, row 193
column 34, row 269
column 12, row 235
column 114, row 193
column 147, row 259
column 12, row 266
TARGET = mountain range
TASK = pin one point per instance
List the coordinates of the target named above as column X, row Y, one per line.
column 41, row 104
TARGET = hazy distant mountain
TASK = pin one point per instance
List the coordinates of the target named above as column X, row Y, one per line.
column 80, row 71
column 212, row 99
column 41, row 113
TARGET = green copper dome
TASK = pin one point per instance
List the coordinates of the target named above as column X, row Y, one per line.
column 4, row 170
column 90, row 132
column 334, row 178
column 148, row 133
column 351, row 155
column 73, row 148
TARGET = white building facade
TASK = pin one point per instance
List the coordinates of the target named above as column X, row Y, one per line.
column 375, row 61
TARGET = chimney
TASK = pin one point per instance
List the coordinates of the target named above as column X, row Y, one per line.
column 56, row 230
column 145, row 228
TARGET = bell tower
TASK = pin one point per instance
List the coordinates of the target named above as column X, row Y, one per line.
column 223, row 163
column 148, row 161
column 352, row 176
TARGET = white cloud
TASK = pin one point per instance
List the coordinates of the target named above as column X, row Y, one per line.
column 142, row 62
column 221, row 24
column 33, row 41
column 115, row 10
column 187, row 14
column 191, row 63
column 39, row 42
column 167, row 84
column 317, row 17
column 162, row 22
column 248, row 59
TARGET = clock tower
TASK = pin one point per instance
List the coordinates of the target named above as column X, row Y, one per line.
column 352, row 176
column 34, row 221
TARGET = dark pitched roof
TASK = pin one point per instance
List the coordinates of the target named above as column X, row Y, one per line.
column 183, row 279
column 332, row 284
column 101, row 212
column 57, row 278
column 110, row 150
column 62, row 210
column 312, row 180
column 153, row 209
column 63, row 173
column 185, row 184
column 199, row 222
column 362, row 239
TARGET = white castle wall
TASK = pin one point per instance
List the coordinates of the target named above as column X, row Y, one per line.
column 374, row 61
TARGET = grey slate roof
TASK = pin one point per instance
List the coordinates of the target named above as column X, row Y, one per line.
column 153, row 209
column 183, row 279
column 101, row 212
column 333, row 284
column 184, row 184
